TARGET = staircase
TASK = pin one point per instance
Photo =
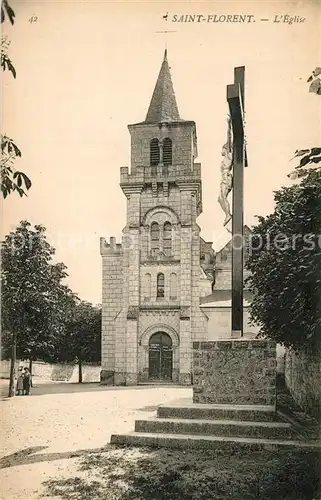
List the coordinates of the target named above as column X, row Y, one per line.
column 215, row 426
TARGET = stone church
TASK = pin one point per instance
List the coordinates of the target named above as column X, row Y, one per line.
column 153, row 280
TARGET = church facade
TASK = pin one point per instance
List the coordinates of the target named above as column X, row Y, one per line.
column 153, row 280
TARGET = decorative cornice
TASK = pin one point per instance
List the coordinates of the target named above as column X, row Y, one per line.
column 132, row 189
column 155, row 262
column 159, row 308
column 189, row 185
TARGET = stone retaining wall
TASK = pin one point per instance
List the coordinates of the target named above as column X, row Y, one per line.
column 303, row 379
column 46, row 372
column 234, row 372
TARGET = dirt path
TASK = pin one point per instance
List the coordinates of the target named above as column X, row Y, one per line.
column 42, row 435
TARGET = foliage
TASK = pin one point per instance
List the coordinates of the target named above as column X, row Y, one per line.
column 33, row 295
column 80, row 340
column 285, row 266
column 11, row 179
column 315, row 81
column 6, row 11
column 310, row 157
column 6, row 63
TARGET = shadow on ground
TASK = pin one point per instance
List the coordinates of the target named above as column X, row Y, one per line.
column 31, row 456
column 162, row 474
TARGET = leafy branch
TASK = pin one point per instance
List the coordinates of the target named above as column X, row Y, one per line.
column 309, row 157
column 315, row 81
column 6, row 11
column 11, row 179
column 6, row 63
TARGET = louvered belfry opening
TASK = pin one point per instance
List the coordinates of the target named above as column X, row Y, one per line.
column 154, row 152
column 155, row 234
column 167, row 239
column 167, row 151
column 160, row 285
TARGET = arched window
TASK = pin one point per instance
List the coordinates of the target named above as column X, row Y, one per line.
column 167, row 151
column 147, row 287
column 154, row 236
column 173, row 286
column 154, row 152
column 167, row 239
column 160, row 285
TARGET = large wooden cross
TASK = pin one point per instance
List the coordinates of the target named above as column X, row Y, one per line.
column 235, row 99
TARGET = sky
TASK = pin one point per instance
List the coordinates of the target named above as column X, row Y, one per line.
column 87, row 69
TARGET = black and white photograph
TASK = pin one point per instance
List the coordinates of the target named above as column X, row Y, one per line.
column 160, row 250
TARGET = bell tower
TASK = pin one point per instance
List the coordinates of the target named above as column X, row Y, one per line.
column 157, row 317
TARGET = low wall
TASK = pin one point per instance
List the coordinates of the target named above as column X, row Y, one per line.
column 63, row 372
column 234, row 371
column 303, row 378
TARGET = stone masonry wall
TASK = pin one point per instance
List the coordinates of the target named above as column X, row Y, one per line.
column 303, row 379
column 112, row 304
column 234, row 372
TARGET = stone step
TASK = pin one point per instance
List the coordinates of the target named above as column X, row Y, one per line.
column 218, row 412
column 228, row 443
column 232, row 428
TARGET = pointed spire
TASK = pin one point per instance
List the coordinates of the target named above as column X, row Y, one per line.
column 163, row 106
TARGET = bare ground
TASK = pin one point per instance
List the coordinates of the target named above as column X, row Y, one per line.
column 46, row 434
column 55, row 446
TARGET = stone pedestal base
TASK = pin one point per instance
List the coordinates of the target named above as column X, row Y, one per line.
column 239, row 371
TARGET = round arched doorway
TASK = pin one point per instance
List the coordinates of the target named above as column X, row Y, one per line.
column 160, row 357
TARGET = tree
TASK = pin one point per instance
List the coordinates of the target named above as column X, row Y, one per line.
column 33, row 295
column 11, row 179
column 285, row 266
column 81, row 340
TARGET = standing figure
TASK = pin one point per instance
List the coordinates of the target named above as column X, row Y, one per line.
column 226, row 176
column 19, row 388
column 26, row 381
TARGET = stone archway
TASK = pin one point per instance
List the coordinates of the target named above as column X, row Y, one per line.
column 159, row 346
column 160, row 357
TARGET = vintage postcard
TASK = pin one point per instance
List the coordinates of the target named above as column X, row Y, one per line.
column 160, row 250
